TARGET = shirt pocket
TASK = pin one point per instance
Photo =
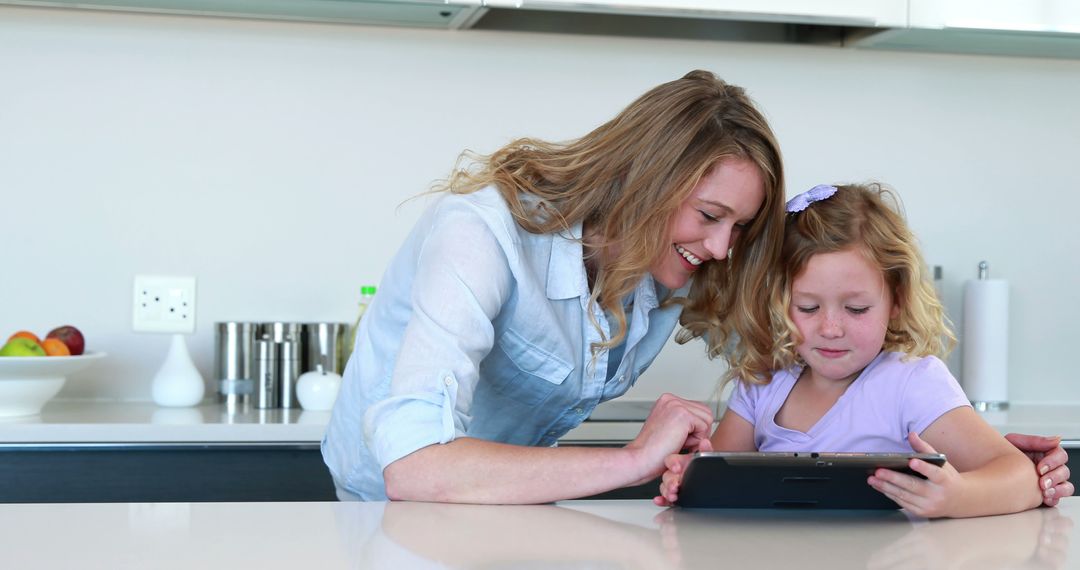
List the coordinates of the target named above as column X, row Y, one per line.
column 524, row 371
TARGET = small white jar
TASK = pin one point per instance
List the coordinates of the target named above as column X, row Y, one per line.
column 318, row 389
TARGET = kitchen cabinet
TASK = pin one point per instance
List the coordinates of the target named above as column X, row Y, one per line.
column 411, row 13
column 456, row 14
column 75, row 473
column 78, row 451
column 873, row 13
column 1049, row 16
column 1032, row 28
column 1039, row 28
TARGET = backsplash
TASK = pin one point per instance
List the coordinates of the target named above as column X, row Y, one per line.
column 275, row 162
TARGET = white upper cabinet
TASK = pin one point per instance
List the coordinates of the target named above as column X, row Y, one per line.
column 1056, row 16
column 869, row 13
column 1033, row 28
column 1038, row 28
column 410, row 13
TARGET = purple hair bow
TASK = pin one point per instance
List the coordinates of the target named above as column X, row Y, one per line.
column 815, row 194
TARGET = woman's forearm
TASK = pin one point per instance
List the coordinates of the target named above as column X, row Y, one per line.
column 469, row 470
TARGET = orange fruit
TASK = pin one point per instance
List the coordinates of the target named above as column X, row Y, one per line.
column 55, row 347
column 26, row 334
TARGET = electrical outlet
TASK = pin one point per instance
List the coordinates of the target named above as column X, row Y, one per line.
column 163, row 303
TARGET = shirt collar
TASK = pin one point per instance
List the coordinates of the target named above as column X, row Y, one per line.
column 567, row 279
column 566, row 276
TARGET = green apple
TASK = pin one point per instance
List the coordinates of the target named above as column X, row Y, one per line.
column 22, row 347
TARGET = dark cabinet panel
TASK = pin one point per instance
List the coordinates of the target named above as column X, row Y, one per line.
column 106, row 473
column 163, row 473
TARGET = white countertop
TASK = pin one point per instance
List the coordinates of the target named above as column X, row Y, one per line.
column 566, row 535
column 80, row 421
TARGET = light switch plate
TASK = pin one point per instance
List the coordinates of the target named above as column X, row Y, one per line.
column 163, row 303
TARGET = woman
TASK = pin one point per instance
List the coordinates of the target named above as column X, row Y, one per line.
column 543, row 283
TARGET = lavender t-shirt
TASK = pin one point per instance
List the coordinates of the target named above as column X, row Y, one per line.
column 889, row 399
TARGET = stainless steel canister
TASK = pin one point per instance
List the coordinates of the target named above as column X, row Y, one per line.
column 234, row 363
column 279, row 331
column 324, row 344
column 267, row 391
column 288, row 367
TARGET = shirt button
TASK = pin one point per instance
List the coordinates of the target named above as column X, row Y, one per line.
column 448, row 381
column 579, row 411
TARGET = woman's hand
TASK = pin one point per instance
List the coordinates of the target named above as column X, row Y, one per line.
column 671, row 480
column 673, row 425
column 931, row 497
column 1050, row 462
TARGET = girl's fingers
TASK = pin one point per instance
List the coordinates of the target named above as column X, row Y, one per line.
column 929, row 470
column 901, row 488
column 894, row 493
column 676, row 462
column 918, row 445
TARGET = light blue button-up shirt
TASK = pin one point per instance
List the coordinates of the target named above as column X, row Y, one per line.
column 480, row 329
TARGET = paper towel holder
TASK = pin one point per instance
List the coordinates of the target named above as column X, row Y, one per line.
column 988, row 394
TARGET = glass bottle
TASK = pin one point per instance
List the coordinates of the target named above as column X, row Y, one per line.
column 367, row 294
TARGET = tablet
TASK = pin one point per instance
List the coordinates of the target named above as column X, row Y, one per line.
column 743, row 480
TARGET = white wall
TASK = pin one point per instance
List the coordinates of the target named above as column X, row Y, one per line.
column 269, row 160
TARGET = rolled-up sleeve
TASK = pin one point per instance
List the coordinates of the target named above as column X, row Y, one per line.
column 463, row 279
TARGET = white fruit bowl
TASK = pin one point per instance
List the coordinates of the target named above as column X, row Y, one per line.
column 27, row 382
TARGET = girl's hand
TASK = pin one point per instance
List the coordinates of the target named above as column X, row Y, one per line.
column 931, row 497
column 672, row 477
column 1050, row 461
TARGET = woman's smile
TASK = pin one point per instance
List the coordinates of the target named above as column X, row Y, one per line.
column 692, row 261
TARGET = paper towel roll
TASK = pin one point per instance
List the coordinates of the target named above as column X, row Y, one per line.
column 986, row 341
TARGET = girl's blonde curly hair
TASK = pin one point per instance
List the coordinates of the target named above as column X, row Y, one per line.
column 867, row 219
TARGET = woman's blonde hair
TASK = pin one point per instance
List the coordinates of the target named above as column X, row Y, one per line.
column 866, row 219
column 626, row 179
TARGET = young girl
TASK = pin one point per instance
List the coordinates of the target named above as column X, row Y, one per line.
column 859, row 329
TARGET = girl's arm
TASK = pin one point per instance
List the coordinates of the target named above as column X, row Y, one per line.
column 733, row 433
column 985, row 474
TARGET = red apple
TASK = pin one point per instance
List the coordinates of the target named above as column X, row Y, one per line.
column 70, row 336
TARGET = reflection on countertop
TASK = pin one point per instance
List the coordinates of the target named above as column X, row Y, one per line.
column 572, row 534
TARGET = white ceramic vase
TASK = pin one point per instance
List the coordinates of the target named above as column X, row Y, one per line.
column 178, row 383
